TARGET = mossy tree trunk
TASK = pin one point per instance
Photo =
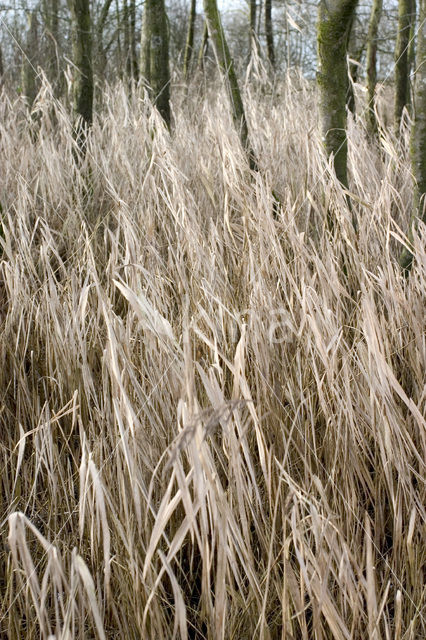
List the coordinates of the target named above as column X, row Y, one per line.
column 154, row 66
column 334, row 24
column 226, row 66
column 418, row 134
column 189, row 45
column 29, row 61
column 82, row 59
column 402, row 75
column 270, row 49
column 371, row 63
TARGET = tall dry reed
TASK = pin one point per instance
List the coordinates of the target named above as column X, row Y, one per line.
column 212, row 411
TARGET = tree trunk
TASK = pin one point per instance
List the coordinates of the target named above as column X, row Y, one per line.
column 155, row 55
column 126, row 32
column 418, row 134
column 226, row 66
column 100, row 49
column 189, row 45
column 134, row 70
column 334, row 23
column 373, row 29
column 355, row 51
column 204, row 46
column 82, row 59
column 402, row 81
column 29, row 62
column 51, row 21
column 252, row 32
column 269, row 33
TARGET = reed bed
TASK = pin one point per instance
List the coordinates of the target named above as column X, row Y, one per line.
column 212, row 419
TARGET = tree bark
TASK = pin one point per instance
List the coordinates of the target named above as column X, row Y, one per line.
column 29, row 62
column 189, row 45
column 418, row 135
column 51, row 21
column 204, row 46
column 134, row 69
column 269, row 33
column 226, row 66
column 402, row 81
column 154, row 65
column 355, row 51
column 371, row 63
column 100, row 48
column 252, row 32
column 82, row 59
column 334, row 23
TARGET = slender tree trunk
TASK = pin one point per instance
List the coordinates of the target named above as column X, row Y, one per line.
column 29, row 61
column 51, row 21
column 226, row 66
column 1, row 65
column 252, row 32
column 126, row 32
column 100, row 49
column 269, row 33
column 82, row 59
column 418, row 134
column 155, row 55
column 133, row 47
column 355, row 51
column 204, row 46
column 373, row 29
column 402, row 81
column 189, row 45
column 334, row 23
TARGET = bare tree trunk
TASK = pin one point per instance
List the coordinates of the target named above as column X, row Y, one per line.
column 252, row 32
column 355, row 51
column 269, row 33
column 189, row 45
column 373, row 29
column 100, row 56
column 51, row 20
column 226, row 66
column 334, row 23
column 29, row 61
column 402, row 86
column 134, row 69
column 204, row 46
column 126, row 31
column 154, row 65
column 82, row 59
column 418, row 135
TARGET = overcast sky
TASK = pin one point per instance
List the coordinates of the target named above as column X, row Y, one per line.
column 231, row 5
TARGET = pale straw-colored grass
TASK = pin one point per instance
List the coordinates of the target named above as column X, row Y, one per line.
column 212, row 411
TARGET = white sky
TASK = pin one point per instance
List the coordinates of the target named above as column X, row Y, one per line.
column 231, row 5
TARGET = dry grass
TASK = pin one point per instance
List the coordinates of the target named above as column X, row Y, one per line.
column 212, row 416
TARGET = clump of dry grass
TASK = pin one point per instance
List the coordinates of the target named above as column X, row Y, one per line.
column 212, row 413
